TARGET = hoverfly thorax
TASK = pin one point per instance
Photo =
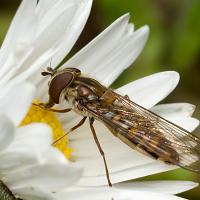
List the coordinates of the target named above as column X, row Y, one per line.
column 60, row 81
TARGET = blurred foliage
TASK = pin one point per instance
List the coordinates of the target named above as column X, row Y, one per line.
column 174, row 44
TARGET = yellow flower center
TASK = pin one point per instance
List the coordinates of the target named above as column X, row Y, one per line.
column 37, row 114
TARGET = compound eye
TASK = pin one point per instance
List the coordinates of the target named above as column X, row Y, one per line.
column 58, row 83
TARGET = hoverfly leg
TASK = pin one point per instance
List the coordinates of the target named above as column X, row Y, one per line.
column 71, row 129
column 100, row 150
column 59, row 111
column 45, row 105
column 48, row 107
column 78, row 125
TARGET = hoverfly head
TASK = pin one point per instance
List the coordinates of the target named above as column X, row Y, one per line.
column 60, row 81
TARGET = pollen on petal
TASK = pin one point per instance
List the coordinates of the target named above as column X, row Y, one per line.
column 37, row 114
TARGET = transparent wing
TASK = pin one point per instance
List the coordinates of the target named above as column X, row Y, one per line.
column 147, row 132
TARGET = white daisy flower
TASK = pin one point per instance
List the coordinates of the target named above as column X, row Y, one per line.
column 47, row 31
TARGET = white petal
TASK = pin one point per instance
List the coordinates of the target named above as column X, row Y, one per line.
column 188, row 123
column 50, row 176
column 17, row 28
column 32, row 71
column 111, row 52
column 178, row 113
column 114, row 32
column 21, row 49
column 34, row 134
column 30, row 143
column 16, row 100
column 7, row 132
column 149, row 90
column 11, row 68
column 88, row 194
column 17, row 158
column 164, row 187
column 174, row 110
column 126, row 174
column 132, row 195
column 73, row 29
column 33, row 193
column 103, row 193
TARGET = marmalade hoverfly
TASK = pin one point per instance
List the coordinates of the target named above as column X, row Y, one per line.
column 136, row 126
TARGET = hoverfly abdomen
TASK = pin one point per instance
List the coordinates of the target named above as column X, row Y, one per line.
column 162, row 147
column 154, row 144
column 160, row 151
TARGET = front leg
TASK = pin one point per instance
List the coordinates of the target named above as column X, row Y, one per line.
column 71, row 130
column 48, row 106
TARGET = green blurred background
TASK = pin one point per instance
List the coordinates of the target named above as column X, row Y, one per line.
column 174, row 44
